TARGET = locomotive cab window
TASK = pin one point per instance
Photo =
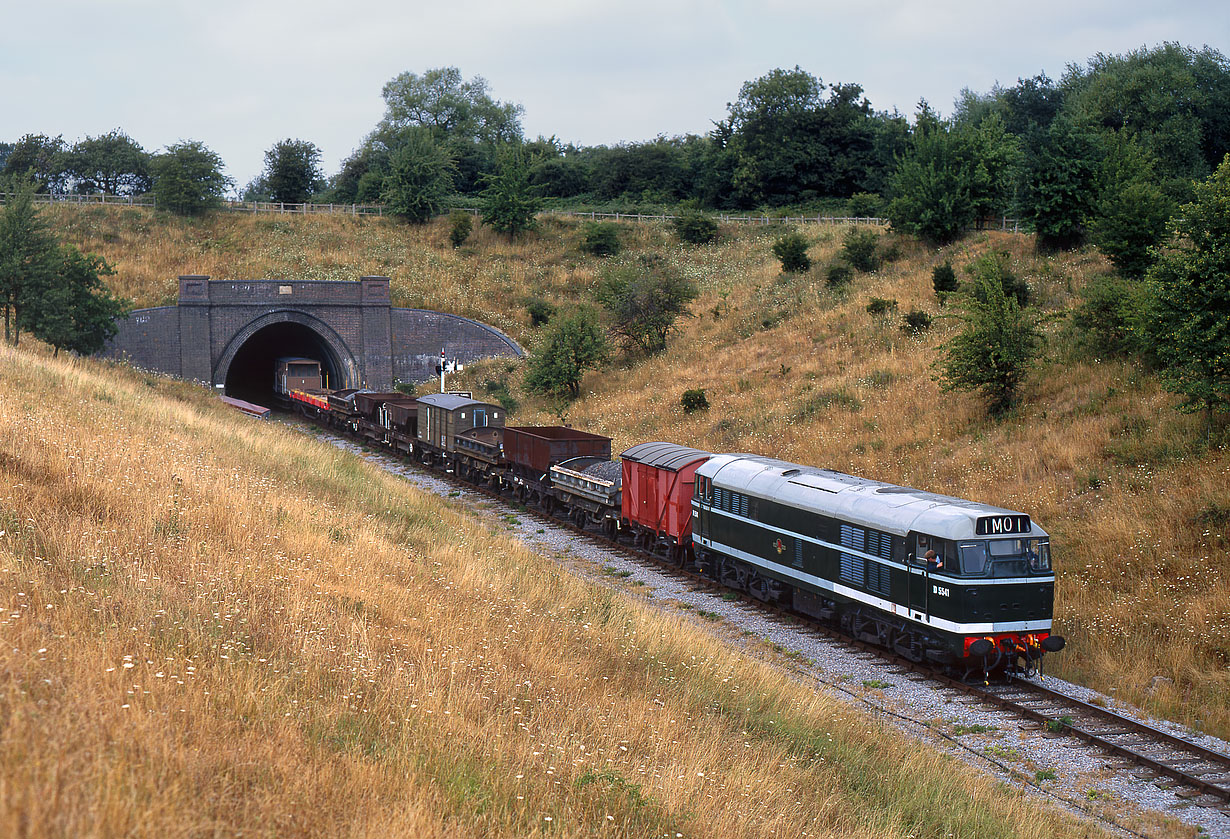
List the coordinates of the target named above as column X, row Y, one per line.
column 1006, row 557
column 945, row 553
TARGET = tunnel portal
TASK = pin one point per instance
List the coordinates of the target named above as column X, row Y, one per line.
column 250, row 375
column 227, row 334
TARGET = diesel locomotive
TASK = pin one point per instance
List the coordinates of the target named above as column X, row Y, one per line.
column 935, row 578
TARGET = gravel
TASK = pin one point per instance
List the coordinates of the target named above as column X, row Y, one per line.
column 1084, row 779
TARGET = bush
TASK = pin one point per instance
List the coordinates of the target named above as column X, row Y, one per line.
column 859, row 249
column 838, row 274
column 694, row 400
column 573, row 345
column 644, row 298
column 943, row 278
column 460, row 225
column 1111, row 320
column 998, row 265
column 498, row 389
column 791, row 249
column 915, row 321
column 696, row 228
column 999, row 345
column 864, row 205
column 601, row 238
column 880, row 306
column 540, row 311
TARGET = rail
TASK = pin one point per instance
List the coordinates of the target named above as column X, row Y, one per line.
column 1196, row 772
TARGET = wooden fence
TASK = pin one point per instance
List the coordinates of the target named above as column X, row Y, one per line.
column 236, row 206
column 1004, row 223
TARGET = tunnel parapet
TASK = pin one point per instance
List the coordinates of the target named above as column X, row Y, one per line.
column 367, row 342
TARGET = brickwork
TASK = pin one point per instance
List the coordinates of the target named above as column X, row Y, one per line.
column 372, row 344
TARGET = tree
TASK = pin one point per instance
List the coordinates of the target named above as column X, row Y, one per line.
column 1058, row 189
column 292, row 171
column 571, row 345
column 27, row 257
column 1174, row 100
column 1132, row 209
column 113, row 164
column 1190, row 286
column 790, row 142
column 1031, row 106
column 74, row 310
column 454, row 108
column 510, row 200
column 420, row 177
column 188, row 178
column 951, row 176
column 999, row 345
column 38, row 159
column 645, row 298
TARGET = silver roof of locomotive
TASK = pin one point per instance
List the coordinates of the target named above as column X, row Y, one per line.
column 886, row 507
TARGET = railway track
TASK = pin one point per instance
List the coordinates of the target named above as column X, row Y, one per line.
column 1195, row 773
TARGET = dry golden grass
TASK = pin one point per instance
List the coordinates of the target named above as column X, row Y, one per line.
column 217, row 626
column 1133, row 493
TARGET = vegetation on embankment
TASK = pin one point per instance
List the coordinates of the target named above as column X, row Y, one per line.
column 213, row 624
column 1133, row 492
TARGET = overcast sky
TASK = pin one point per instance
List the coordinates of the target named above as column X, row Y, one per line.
column 239, row 75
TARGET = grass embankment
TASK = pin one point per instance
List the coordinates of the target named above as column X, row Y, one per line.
column 214, row 626
column 1134, row 494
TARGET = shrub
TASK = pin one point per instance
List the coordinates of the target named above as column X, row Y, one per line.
column 460, row 225
column 540, row 311
column 890, row 250
column 859, row 249
column 573, row 345
column 880, row 306
column 1000, row 343
column 696, row 228
column 916, row 321
column 498, row 389
column 645, row 298
column 791, row 249
column 998, row 265
column 943, row 278
column 864, row 205
column 694, row 400
column 838, row 274
column 601, row 238
column 1111, row 318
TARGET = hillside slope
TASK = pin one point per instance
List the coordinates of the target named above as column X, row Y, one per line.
column 1133, row 492
column 220, row 626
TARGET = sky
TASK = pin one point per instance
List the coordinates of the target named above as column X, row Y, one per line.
column 241, row 75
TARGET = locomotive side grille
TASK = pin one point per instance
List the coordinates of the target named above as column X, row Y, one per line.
column 853, row 569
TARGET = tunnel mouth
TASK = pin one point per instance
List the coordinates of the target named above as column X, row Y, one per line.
column 250, row 374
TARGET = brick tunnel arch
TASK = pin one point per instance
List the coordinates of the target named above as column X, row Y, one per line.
column 245, row 368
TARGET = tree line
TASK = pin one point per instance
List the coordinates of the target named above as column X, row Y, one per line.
column 1061, row 154
column 1120, row 151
